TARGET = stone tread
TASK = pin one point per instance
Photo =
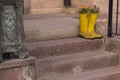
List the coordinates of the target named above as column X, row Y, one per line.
column 109, row 73
column 85, row 61
column 17, row 63
column 63, row 46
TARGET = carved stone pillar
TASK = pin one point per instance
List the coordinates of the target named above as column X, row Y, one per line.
column 12, row 39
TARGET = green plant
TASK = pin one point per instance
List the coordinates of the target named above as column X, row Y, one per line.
column 88, row 10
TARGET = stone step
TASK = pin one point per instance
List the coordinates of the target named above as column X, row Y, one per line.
column 113, row 44
column 76, row 63
column 59, row 26
column 110, row 73
column 51, row 28
column 63, row 46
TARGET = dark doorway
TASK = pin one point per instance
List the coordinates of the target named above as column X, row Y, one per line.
column 67, row 3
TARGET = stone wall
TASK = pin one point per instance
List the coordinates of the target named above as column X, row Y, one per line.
column 57, row 6
column 79, row 3
column 46, row 6
column 104, row 6
column 18, row 69
column 27, row 6
column 51, row 6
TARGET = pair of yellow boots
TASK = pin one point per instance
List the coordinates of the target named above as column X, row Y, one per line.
column 87, row 25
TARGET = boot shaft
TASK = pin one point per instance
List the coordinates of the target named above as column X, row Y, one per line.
column 92, row 21
column 83, row 21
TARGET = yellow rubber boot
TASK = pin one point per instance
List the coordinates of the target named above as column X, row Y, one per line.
column 91, row 25
column 84, row 26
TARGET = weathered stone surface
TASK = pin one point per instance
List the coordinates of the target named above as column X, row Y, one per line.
column 113, row 45
column 18, row 69
column 46, row 11
column 76, row 63
column 110, row 73
column 70, row 10
column 36, row 4
column 103, row 5
column 51, row 28
column 46, row 6
column 27, row 6
column 57, row 26
column 79, row 3
column 102, row 26
column 12, row 37
column 63, row 46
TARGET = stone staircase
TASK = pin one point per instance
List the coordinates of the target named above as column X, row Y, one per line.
column 74, row 64
column 75, row 59
column 71, row 57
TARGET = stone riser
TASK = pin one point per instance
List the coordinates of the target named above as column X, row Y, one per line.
column 51, row 28
column 18, row 69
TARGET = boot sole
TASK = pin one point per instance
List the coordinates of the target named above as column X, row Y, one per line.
column 87, row 38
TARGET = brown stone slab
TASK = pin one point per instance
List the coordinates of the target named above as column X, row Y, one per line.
column 17, row 63
column 63, row 46
column 51, row 28
column 77, row 63
column 18, row 69
column 110, row 73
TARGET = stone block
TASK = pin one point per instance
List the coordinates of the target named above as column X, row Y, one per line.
column 113, row 45
column 102, row 4
column 18, row 69
column 27, row 6
column 38, row 4
column 102, row 26
column 79, row 3
column 45, row 10
column 46, row 6
column 104, row 7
